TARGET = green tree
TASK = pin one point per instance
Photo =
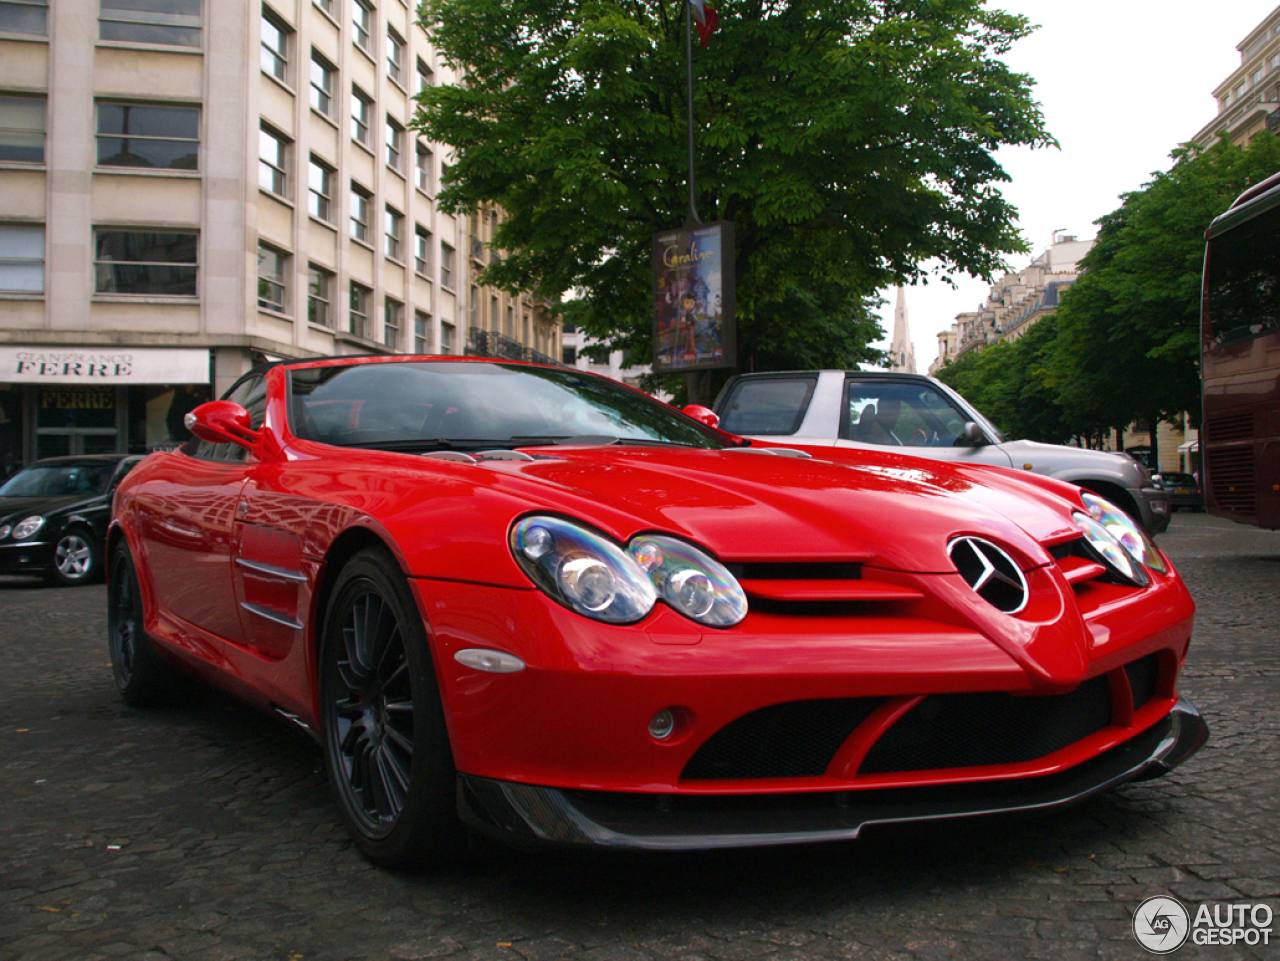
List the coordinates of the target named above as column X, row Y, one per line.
column 1129, row 331
column 848, row 140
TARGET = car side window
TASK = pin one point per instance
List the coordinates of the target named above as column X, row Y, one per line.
column 768, row 406
column 251, row 394
column 899, row 414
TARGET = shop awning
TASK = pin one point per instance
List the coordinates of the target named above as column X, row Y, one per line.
column 1190, row 446
column 103, row 365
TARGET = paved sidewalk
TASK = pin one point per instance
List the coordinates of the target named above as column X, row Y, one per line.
column 205, row 831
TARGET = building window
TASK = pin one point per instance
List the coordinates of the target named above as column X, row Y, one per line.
column 145, row 262
column 359, row 309
column 361, row 107
column 362, row 25
column 29, row 17
column 22, row 258
column 395, row 144
column 272, row 264
column 493, row 314
column 320, row 296
column 361, row 201
column 422, row 250
column 395, row 233
column 395, row 57
column 275, row 47
column 273, row 158
column 148, row 135
column 174, row 23
column 421, row 333
column 323, row 76
column 320, row 190
column 22, row 130
column 446, row 266
column 392, row 321
column 325, row 5
column 447, row 338
column 473, row 303
column 422, row 168
column 426, row 77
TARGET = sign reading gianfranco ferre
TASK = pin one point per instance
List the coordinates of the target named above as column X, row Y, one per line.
column 103, row 365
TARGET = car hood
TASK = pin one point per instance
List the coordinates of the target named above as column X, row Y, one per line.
column 1058, row 459
column 13, row 509
column 888, row 511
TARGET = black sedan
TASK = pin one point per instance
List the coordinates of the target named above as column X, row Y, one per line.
column 1184, row 491
column 54, row 515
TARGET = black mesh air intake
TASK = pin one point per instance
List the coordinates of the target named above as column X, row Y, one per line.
column 796, row 739
column 1143, row 677
column 970, row 730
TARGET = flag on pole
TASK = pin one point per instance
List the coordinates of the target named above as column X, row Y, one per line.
column 707, row 20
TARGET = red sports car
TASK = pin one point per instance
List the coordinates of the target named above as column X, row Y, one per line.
column 538, row 605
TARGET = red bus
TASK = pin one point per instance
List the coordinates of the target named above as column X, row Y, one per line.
column 1240, row 360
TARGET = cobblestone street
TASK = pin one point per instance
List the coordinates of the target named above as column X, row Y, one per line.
column 205, row 831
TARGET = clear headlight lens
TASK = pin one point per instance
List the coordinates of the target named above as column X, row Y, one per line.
column 696, row 585
column 590, row 574
column 27, row 526
column 4, row 531
column 1126, row 530
column 1111, row 552
column 582, row 569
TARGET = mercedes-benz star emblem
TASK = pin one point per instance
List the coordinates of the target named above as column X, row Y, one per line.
column 990, row 572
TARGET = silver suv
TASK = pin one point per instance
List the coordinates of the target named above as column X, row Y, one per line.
column 921, row 416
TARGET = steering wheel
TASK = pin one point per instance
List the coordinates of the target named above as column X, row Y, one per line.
column 919, row 438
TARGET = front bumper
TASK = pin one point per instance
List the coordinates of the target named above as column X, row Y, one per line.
column 26, row 557
column 523, row 814
column 1153, row 503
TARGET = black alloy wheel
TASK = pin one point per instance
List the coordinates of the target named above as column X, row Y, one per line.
column 75, row 558
column 141, row 676
column 386, row 747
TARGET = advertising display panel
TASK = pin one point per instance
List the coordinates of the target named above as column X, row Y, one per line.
column 693, row 298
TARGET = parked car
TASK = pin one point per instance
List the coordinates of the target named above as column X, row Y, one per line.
column 538, row 605
column 914, row 414
column 54, row 515
column 1184, row 490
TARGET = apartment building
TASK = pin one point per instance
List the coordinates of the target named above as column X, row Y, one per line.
column 1016, row 301
column 1249, row 99
column 188, row 187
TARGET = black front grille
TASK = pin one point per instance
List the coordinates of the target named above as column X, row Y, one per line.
column 796, row 739
column 969, row 730
column 1143, row 675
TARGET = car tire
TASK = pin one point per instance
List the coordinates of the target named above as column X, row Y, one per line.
column 141, row 676
column 386, row 746
column 77, row 559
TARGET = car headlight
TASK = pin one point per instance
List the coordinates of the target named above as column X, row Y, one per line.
column 582, row 570
column 27, row 526
column 4, row 531
column 697, row 586
column 590, row 574
column 1126, row 530
column 1112, row 554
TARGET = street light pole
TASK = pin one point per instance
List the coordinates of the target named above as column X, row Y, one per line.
column 688, row 57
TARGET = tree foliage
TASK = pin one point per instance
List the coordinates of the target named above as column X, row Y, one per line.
column 1129, row 331
column 848, row 140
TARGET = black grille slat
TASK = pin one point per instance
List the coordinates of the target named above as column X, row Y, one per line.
column 1144, row 675
column 972, row 730
column 796, row 739
column 1229, row 427
column 803, row 571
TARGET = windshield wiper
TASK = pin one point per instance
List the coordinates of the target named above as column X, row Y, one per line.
column 415, row 445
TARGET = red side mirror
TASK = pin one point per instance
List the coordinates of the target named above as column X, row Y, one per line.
column 223, row 422
column 703, row 415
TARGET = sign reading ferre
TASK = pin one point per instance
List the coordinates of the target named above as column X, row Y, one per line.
column 103, row 365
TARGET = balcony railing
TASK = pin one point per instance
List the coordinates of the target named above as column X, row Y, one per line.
column 488, row 343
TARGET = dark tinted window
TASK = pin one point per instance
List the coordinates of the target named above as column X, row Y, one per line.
column 148, row 135
column 426, row 405
column 67, row 479
column 1244, row 280
column 767, row 406
column 170, row 22
column 146, row 262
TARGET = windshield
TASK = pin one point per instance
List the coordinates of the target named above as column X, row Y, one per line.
column 64, row 479
column 442, row 405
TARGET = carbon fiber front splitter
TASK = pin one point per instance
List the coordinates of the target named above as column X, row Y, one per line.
column 522, row 814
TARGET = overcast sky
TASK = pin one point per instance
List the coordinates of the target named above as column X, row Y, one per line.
column 1121, row 83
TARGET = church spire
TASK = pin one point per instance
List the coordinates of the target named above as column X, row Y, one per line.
column 902, row 355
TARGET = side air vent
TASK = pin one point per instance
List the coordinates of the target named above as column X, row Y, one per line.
column 990, row 572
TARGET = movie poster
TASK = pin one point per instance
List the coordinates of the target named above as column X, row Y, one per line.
column 693, row 286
